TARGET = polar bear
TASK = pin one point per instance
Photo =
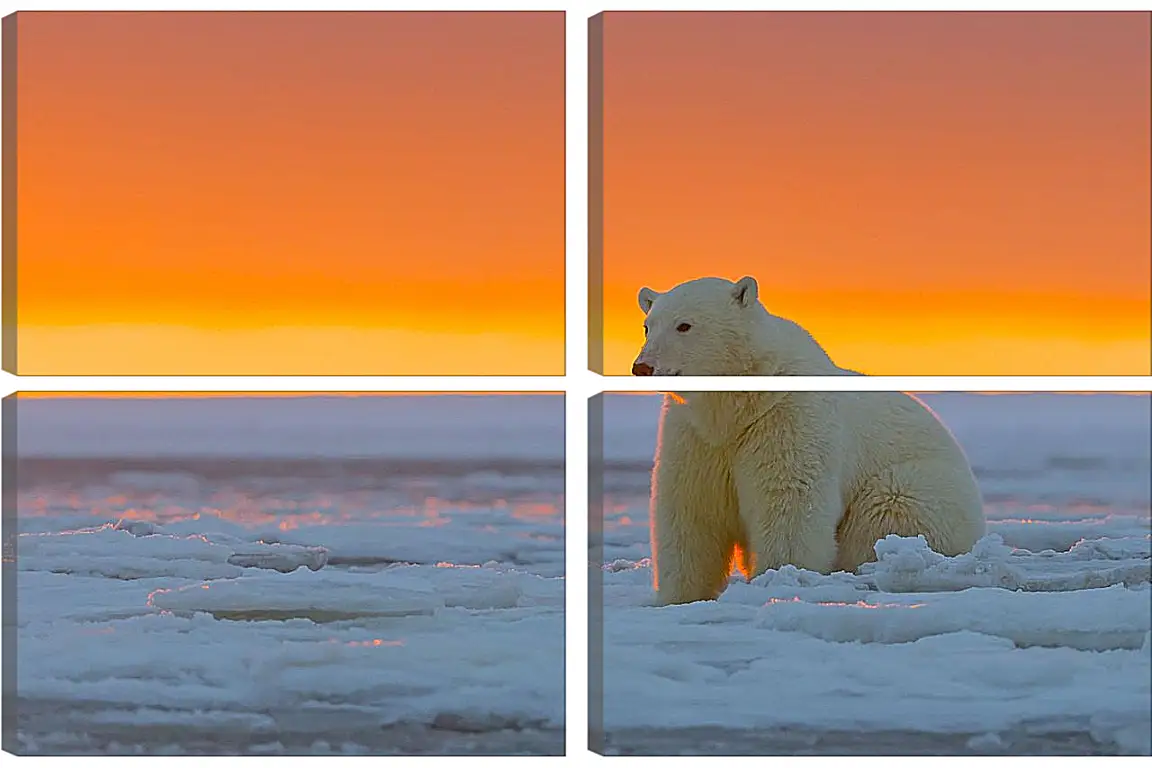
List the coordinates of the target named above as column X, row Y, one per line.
column 765, row 479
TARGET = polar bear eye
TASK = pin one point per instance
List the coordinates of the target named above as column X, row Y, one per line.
column 683, row 327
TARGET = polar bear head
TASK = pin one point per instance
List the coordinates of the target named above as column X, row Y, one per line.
column 699, row 328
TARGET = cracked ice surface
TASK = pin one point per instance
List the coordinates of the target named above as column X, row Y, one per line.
column 320, row 575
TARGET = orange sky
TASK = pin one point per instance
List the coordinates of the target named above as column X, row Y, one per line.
column 290, row 193
column 927, row 193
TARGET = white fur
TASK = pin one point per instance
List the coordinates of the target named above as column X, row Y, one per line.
column 811, row 479
column 730, row 334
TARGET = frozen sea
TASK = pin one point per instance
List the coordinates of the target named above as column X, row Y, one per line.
column 302, row 575
column 1037, row 642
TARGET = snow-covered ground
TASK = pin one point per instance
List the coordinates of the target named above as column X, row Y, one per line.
column 1037, row 642
column 289, row 575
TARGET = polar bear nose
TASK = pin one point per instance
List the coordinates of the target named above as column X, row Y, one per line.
column 641, row 369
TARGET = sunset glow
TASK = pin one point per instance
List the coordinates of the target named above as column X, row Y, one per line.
column 289, row 193
column 927, row 193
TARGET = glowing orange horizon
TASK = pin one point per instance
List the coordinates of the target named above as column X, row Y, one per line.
column 289, row 193
column 928, row 193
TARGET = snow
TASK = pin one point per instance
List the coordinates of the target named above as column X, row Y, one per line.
column 1040, row 639
column 185, row 585
column 401, row 648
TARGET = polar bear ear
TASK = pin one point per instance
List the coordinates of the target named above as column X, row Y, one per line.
column 745, row 291
column 647, row 297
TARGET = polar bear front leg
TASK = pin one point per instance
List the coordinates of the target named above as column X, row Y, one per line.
column 790, row 505
column 695, row 524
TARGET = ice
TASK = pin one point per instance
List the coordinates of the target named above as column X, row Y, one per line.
column 136, row 551
column 398, row 591
column 383, row 666
column 1039, row 534
column 963, row 682
column 290, row 575
column 227, row 649
column 534, row 544
column 845, row 656
column 1039, row 640
column 908, row 565
column 420, row 519
column 181, row 635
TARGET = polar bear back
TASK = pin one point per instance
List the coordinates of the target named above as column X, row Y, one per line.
column 867, row 432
